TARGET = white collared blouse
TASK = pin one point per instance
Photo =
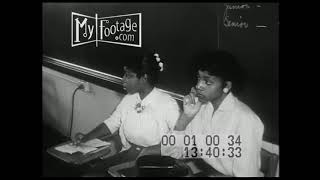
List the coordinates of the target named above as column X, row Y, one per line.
column 143, row 122
column 231, row 117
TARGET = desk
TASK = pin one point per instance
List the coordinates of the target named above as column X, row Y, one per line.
column 195, row 168
column 114, row 161
column 84, row 165
column 78, row 158
column 130, row 169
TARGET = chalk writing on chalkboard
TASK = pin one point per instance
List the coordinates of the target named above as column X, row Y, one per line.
column 227, row 22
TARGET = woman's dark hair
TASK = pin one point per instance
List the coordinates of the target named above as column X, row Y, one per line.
column 224, row 65
column 144, row 63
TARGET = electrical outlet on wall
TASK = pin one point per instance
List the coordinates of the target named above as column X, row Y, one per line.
column 86, row 86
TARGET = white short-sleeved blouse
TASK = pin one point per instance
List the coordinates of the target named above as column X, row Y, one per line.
column 144, row 125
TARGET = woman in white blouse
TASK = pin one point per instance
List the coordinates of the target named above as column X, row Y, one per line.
column 144, row 114
column 212, row 108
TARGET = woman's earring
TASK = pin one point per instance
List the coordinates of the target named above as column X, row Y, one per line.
column 225, row 90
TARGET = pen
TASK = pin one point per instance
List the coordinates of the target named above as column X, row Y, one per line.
column 165, row 167
column 114, row 174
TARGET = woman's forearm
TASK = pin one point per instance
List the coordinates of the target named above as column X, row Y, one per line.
column 101, row 130
column 182, row 122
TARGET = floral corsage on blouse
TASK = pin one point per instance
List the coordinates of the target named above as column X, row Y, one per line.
column 139, row 108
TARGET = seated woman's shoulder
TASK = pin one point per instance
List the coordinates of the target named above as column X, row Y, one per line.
column 243, row 110
column 128, row 97
column 165, row 98
column 242, row 107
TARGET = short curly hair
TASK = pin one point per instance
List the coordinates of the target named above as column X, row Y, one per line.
column 224, row 65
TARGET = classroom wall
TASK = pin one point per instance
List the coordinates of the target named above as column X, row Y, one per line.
column 177, row 31
column 90, row 109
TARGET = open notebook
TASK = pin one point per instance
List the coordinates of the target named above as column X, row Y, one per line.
column 89, row 146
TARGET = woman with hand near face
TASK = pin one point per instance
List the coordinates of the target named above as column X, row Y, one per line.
column 212, row 108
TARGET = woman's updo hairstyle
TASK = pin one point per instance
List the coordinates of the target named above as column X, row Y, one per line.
column 146, row 62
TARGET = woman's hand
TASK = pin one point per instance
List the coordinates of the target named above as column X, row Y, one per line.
column 191, row 104
column 78, row 139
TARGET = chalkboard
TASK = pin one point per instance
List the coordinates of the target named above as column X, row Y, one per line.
column 174, row 30
column 251, row 32
column 177, row 31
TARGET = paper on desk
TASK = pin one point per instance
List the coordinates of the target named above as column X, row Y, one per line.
column 69, row 148
column 96, row 143
column 83, row 147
